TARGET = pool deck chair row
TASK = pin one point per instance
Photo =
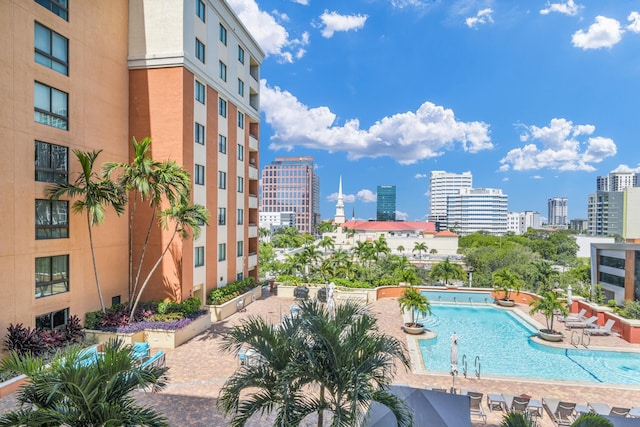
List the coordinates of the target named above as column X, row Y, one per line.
column 589, row 323
column 601, row 330
column 578, row 317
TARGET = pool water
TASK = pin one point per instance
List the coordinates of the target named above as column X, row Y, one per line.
column 501, row 340
column 458, row 297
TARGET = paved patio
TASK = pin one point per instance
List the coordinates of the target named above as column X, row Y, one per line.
column 198, row 370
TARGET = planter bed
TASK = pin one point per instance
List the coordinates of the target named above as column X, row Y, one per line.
column 222, row 311
column 102, row 337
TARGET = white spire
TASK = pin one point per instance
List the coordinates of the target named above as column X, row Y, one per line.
column 340, row 217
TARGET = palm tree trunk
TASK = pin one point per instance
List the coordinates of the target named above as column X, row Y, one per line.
column 153, row 269
column 95, row 266
column 144, row 250
column 131, row 217
column 321, row 410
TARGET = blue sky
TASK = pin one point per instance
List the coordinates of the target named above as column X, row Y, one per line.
column 536, row 98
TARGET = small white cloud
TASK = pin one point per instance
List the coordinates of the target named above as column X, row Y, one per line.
column 569, row 8
column 536, row 177
column 366, row 196
column 401, row 4
column 505, row 179
column 335, row 22
column 482, row 17
column 420, row 176
column 625, row 168
column 605, row 32
column 347, row 198
column 302, row 2
column 557, row 147
column 401, row 216
column 634, row 26
column 406, row 137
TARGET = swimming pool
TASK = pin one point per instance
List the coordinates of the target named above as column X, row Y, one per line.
column 501, row 340
column 458, row 297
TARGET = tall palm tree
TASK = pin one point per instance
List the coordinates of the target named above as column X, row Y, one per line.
column 94, row 194
column 380, row 246
column 69, row 391
column 413, row 301
column 420, row 247
column 447, row 270
column 326, row 243
column 400, row 249
column 344, row 355
column 186, row 218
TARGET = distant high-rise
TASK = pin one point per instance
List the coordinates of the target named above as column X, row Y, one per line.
column 441, row 185
column 520, row 222
column 611, row 210
column 478, row 209
column 289, row 184
column 558, row 208
column 386, row 203
column 616, row 181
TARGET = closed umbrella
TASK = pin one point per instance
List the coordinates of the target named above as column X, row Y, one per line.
column 569, row 297
column 331, row 305
column 454, row 360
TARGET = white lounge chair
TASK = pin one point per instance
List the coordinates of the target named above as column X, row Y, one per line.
column 589, row 323
column 562, row 413
column 475, row 405
column 601, row 330
column 578, row 317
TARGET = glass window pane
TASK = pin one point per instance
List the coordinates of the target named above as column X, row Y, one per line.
column 59, row 102
column 43, row 269
column 42, row 96
column 41, row 38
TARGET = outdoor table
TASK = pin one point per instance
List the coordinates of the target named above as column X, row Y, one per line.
column 535, row 407
column 496, row 401
column 634, row 412
column 582, row 409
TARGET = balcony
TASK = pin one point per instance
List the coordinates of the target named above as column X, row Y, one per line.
column 253, row 201
column 254, row 145
column 253, row 172
column 252, row 261
column 253, row 231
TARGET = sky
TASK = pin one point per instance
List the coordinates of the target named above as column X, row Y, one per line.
column 533, row 97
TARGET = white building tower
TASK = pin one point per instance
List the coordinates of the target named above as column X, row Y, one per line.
column 340, row 217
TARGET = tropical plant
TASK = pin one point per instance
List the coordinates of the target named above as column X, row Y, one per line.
column 518, row 419
column 506, row 281
column 326, row 243
column 70, row 391
column 420, row 247
column 413, row 301
column 548, row 305
column 380, row 246
column 631, row 309
column 400, row 249
column 342, row 355
column 591, row 419
column 446, row 271
column 94, row 194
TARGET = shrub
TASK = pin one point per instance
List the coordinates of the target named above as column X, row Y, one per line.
column 227, row 293
column 592, row 420
column 24, row 340
column 92, row 319
column 288, row 279
column 168, row 317
column 631, row 309
column 73, row 330
column 346, row 283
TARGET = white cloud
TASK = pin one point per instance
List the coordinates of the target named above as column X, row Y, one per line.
column 605, row 32
column 536, row 177
column 272, row 37
column 420, row 175
column 333, row 22
column 302, row 2
column 347, row 198
column 406, row 137
column 366, row 196
column 569, row 8
column 634, row 17
column 625, row 168
column 401, row 216
column 482, row 17
column 557, row 147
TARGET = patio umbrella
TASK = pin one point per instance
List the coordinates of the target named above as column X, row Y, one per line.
column 454, row 360
column 569, row 297
column 331, row 305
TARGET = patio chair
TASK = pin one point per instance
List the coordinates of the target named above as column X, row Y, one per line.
column 599, row 408
column 475, row 405
column 601, row 330
column 575, row 317
column 520, row 404
column 589, row 323
column 157, row 359
column 561, row 413
column 619, row 412
column 141, row 351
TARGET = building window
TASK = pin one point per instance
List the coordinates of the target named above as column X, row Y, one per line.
column 241, row 55
column 198, row 256
column 223, row 34
column 240, row 184
column 222, row 144
column 199, row 175
column 51, row 106
column 222, row 251
column 240, row 87
column 116, row 300
column 240, row 120
column 223, row 107
column 59, row 7
column 240, row 248
column 240, row 152
column 200, row 97
column 240, row 216
column 199, row 133
column 223, row 71
column 51, row 49
column 201, row 10
column 52, row 219
column 222, row 180
column 200, row 50
column 52, row 275
column 239, row 276
column 53, row 320
column 222, row 216
column 51, row 162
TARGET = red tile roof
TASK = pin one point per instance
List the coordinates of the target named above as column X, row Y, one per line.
column 399, row 226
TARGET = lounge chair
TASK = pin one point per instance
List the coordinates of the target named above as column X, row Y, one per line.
column 155, row 360
column 520, row 404
column 561, row 413
column 589, row 323
column 620, row 412
column 578, row 317
column 601, row 330
column 599, row 408
column 141, row 351
column 475, row 405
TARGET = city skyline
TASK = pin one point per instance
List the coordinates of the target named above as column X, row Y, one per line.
column 536, row 99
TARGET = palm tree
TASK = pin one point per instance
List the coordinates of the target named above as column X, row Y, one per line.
column 380, row 246
column 548, row 305
column 187, row 218
column 413, row 301
column 69, row 391
column 420, row 247
column 94, row 194
column 400, row 249
column 506, row 281
column 591, row 419
column 342, row 355
column 518, row 419
column 326, row 243
column 264, row 233
column 447, row 271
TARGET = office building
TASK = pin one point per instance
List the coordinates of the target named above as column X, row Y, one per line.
column 386, row 203
column 272, row 221
column 90, row 75
column 579, row 224
column 615, row 267
column 441, row 185
column 520, row 222
column 290, row 184
column 478, row 209
column 557, row 211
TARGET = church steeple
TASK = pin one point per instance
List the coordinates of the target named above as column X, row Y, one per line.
column 340, row 217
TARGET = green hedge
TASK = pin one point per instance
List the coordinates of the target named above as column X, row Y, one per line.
column 346, row 283
column 227, row 293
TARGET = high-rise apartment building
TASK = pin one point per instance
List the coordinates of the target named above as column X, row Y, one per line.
column 290, row 184
column 617, row 181
column 386, row 203
column 478, row 209
column 441, row 185
column 557, row 211
column 614, row 213
column 87, row 75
